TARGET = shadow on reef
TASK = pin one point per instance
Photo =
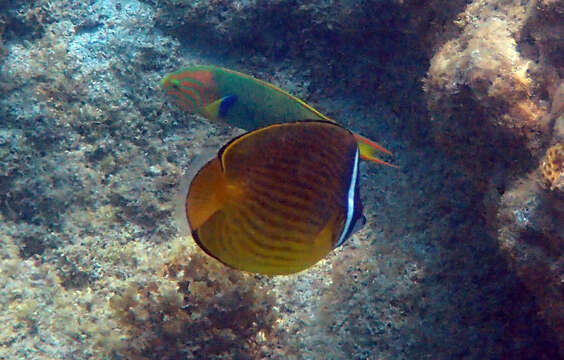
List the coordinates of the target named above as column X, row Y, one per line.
column 439, row 281
column 489, row 152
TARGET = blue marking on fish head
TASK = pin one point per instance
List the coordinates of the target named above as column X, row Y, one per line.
column 226, row 104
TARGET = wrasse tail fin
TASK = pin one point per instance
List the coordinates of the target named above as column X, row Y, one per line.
column 368, row 149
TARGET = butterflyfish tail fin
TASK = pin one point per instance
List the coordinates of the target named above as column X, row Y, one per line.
column 219, row 108
column 368, row 149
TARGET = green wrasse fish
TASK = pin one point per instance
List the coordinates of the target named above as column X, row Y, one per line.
column 245, row 102
column 278, row 199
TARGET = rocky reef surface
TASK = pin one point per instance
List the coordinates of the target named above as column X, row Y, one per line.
column 462, row 254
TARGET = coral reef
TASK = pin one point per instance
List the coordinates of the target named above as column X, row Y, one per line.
column 491, row 87
column 64, row 114
column 483, row 92
column 531, row 236
column 92, row 154
column 38, row 314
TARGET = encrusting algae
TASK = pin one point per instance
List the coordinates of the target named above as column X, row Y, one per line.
column 198, row 309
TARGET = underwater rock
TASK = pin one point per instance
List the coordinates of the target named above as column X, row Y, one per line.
column 495, row 95
column 490, row 88
column 92, row 156
column 531, row 236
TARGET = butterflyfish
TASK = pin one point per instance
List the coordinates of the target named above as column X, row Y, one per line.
column 278, row 199
column 245, row 102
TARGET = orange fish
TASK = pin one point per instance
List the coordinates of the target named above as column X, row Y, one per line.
column 278, row 199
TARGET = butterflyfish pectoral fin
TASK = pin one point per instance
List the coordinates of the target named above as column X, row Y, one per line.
column 205, row 199
column 219, row 108
column 368, row 149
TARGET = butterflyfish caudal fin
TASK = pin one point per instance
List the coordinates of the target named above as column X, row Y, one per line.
column 276, row 200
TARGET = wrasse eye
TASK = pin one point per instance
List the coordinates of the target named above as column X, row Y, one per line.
column 175, row 83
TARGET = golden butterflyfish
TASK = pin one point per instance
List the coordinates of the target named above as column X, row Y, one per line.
column 278, row 199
